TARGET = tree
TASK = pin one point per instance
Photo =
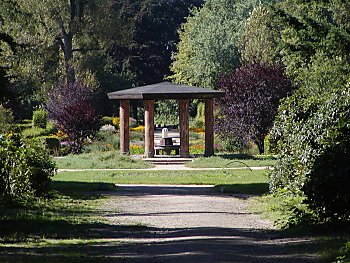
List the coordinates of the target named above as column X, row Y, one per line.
column 153, row 39
column 307, row 37
column 250, row 104
column 66, row 31
column 208, row 44
column 60, row 41
column 261, row 37
column 311, row 128
column 71, row 107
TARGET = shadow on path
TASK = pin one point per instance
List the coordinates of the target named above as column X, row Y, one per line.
column 107, row 242
column 142, row 244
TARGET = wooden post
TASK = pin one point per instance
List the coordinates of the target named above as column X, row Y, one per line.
column 149, row 128
column 209, row 128
column 124, row 112
column 184, row 127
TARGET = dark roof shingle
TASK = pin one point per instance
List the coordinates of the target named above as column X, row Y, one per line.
column 165, row 90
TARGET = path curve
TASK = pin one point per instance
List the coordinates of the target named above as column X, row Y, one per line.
column 176, row 223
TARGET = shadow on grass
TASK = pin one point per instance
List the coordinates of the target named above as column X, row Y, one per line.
column 249, row 189
column 245, row 156
column 83, row 190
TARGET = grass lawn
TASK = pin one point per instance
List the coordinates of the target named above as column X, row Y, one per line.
column 51, row 229
column 333, row 240
column 233, row 160
column 239, row 181
column 99, row 160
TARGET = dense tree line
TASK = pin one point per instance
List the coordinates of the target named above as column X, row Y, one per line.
column 109, row 45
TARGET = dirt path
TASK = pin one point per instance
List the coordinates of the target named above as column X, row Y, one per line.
column 195, row 224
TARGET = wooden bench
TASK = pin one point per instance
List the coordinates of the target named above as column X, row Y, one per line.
column 167, row 149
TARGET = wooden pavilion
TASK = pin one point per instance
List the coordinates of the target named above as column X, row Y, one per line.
column 165, row 91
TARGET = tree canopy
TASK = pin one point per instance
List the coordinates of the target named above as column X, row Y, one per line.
column 107, row 44
column 208, row 46
column 252, row 97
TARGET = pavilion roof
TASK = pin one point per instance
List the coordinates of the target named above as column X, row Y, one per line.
column 165, row 90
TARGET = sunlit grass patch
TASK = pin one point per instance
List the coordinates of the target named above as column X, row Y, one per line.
column 237, row 160
column 100, row 160
column 167, row 177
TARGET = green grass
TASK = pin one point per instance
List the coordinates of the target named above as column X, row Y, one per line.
column 66, row 205
column 99, row 160
column 233, row 160
column 65, row 226
column 239, row 181
column 333, row 240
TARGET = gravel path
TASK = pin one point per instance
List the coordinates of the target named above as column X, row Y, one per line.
column 195, row 224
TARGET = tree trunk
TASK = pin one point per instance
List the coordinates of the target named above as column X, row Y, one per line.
column 261, row 146
column 68, row 57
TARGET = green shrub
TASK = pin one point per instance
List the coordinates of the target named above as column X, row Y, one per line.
column 6, row 119
column 14, row 170
column 313, row 138
column 232, row 144
column 106, row 120
column 41, row 167
column 25, row 169
column 200, row 116
column 40, row 118
column 53, row 144
column 33, row 132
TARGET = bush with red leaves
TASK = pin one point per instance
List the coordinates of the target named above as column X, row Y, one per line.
column 249, row 107
column 71, row 107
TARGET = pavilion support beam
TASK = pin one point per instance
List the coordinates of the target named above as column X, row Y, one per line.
column 124, row 112
column 149, row 128
column 209, row 127
column 184, row 127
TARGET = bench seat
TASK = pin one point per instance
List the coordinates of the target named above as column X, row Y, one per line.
column 167, row 149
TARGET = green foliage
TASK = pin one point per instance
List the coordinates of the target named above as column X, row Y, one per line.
column 14, row 170
column 313, row 143
column 233, row 144
column 282, row 208
column 28, row 131
column 41, row 167
column 200, row 116
column 167, row 112
column 6, row 120
column 25, row 169
column 208, row 44
column 104, row 141
column 311, row 130
column 322, row 31
column 261, row 36
column 106, row 120
column 40, row 118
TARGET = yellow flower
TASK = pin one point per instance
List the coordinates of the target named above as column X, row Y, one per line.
column 138, row 128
